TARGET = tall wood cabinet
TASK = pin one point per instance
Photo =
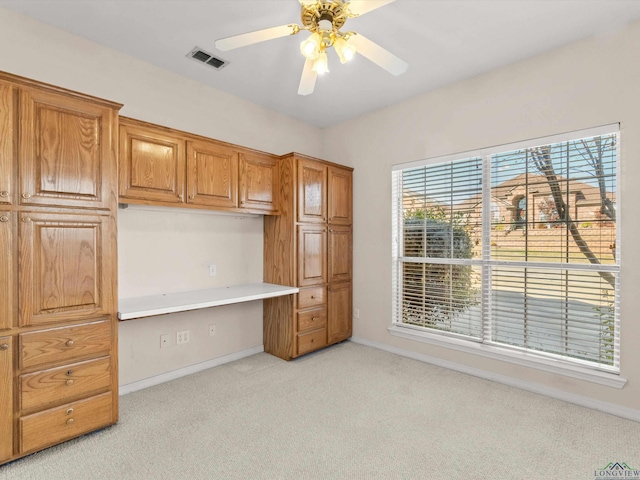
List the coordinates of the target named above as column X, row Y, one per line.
column 309, row 246
column 58, row 329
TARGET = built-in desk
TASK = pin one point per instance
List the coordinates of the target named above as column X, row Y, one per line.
column 138, row 307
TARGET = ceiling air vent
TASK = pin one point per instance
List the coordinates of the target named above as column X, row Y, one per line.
column 207, row 58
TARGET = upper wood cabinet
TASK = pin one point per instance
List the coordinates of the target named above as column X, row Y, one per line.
column 7, row 136
column 6, row 398
column 340, row 201
column 312, row 191
column 65, row 266
column 212, row 174
column 65, row 151
column 152, row 163
column 6, row 269
column 340, row 258
column 259, row 182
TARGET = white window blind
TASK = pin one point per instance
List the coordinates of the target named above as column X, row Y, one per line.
column 535, row 270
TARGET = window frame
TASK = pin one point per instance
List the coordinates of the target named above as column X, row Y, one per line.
column 556, row 363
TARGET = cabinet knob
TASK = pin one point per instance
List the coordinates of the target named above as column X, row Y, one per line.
column 69, row 343
column 70, row 421
column 4, row 218
column 313, row 297
column 26, row 195
column 26, row 219
column 181, row 197
column 313, row 340
column 4, row 194
column 313, row 319
column 69, row 411
column 69, row 382
column 4, row 346
column 191, row 197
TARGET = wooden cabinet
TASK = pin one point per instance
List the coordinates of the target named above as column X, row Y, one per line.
column 259, row 180
column 152, row 163
column 58, row 257
column 309, row 245
column 212, row 174
column 6, row 398
column 163, row 166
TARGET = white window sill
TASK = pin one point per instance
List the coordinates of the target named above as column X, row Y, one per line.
column 515, row 357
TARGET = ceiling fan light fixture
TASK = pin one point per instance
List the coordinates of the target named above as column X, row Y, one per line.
column 321, row 66
column 344, row 49
column 312, row 46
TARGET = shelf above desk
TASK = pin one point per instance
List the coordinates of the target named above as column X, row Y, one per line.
column 139, row 307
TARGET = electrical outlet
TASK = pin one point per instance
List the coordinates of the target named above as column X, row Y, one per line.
column 212, row 270
column 164, row 340
column 356, row 313
column 212, row 330
column 182, row 337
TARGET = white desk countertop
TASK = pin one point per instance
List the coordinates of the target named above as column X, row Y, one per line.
column 138, row 307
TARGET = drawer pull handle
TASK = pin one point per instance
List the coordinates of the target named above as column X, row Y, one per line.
column 70, row 421
column 26, row 195
column 69, row 411
column 4, row 194
column 69, row 343
column 69, row 382
column 4, row 218
column 4, row 346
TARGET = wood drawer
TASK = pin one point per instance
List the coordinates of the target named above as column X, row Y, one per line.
column 63, row 344
column 62, row 384
column 308, row 342
column 67, row 421
column 311, row 297
column 312, row 319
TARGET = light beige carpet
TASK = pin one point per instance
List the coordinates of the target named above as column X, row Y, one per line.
column 347, row 412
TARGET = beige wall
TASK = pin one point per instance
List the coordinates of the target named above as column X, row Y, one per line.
column 163, row 251
column 586, row 84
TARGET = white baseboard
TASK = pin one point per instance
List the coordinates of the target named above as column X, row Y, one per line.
column 613, row 409
column 183, row 372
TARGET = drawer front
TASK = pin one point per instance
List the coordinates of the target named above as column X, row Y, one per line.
column 311, row 297
column 312, row 319
column 62, row 423
column 308, row 342
column 62, row 384
column 64, row 344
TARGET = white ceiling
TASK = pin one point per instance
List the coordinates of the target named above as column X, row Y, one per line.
column 443, row 41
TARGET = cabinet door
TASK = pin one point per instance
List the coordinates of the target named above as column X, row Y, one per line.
column 67, row 151
column 259, row 182
column 339, row 303
column 312, row 191
column 312, row 255
column 6, row 398
column 66, row 267
column 340, row 259
column 7, row 135
column 152, row 164
column 6, row 269
column 212, row 174
column 340, row 196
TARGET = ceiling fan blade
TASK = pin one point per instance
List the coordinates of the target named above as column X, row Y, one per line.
column 360, row 7
column 244, row 39
column 378, row 55
column 308, row 79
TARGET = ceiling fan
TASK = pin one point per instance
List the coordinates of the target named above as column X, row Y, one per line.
column 324, row 19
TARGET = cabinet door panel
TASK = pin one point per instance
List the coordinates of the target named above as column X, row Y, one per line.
column 340, row 196
column 152, row 164
column 66, row 154
column 339, row 303
column 312, row 191
column 340, row 254
column 259, row 182
column 212, row 174
column 6, row 269
column 6, row 398
column 65, row 265
column 312, row 255
column 7, row 135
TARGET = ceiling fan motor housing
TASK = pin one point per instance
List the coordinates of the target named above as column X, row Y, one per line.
column 333, row 11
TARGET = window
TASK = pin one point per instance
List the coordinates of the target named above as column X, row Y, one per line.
column 534, row 272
